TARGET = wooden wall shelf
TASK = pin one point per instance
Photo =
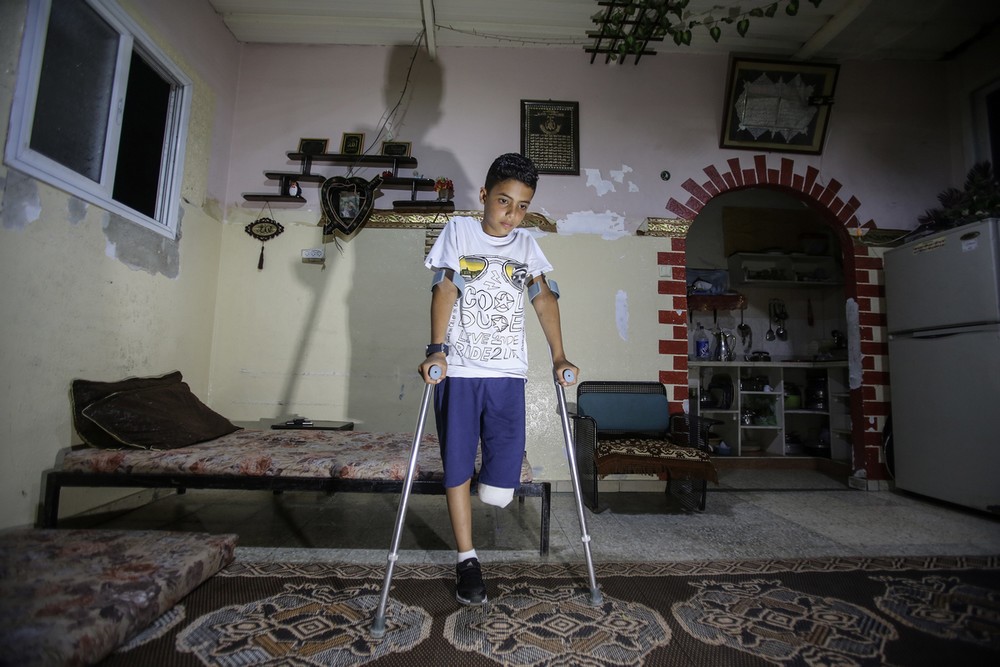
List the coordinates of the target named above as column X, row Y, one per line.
column 393, row 182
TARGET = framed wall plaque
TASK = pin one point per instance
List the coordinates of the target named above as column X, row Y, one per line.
column 550, row 135
column 312, row 146
column 352, row 143
column 778, row 105
column 396, row 148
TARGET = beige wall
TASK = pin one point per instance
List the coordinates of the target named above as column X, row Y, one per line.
column 344, row 341
column 96, row 297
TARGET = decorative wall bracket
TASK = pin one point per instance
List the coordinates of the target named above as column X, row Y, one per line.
column 347, row 203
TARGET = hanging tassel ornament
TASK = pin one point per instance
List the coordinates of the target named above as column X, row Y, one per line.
column 264, row 228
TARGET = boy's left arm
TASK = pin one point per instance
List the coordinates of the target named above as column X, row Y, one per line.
column 547, row 308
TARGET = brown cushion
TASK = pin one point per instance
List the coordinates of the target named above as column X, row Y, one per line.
column 86, row 392
column 157, row 417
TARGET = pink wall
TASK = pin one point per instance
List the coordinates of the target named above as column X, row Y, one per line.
column 885, row 144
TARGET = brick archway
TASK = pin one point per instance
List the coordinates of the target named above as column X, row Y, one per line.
column 863, row 283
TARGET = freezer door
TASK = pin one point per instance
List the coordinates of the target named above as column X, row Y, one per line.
column 948, row 279
column 946, row 416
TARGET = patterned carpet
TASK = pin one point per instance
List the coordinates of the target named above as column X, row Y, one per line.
column 829, row 611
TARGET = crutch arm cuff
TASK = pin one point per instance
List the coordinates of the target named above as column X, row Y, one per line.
column 447, row 274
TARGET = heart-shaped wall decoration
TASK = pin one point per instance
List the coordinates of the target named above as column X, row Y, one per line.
column 347, row 203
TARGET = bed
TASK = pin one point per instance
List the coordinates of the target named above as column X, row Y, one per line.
column 153, row 433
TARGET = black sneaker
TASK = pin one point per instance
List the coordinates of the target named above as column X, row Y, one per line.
column 470, row 588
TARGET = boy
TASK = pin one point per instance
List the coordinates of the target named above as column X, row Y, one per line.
column 478, row 342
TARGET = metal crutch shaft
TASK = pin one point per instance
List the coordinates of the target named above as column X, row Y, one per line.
column 595, row 592
column 378, row 623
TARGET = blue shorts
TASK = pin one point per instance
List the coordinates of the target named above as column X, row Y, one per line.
column 490, row 410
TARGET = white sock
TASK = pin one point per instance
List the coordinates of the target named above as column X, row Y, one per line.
column 466, row 555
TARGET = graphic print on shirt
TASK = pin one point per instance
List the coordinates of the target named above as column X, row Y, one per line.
column 491, row 309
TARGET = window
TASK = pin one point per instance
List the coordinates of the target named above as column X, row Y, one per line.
column 986, row 121
column 100, row 111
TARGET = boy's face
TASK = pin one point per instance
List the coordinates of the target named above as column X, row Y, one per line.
column 504, row 206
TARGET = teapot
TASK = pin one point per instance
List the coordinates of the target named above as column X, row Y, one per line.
column 724, row 342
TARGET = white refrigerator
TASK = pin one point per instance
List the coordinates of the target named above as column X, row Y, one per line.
column 942, row 295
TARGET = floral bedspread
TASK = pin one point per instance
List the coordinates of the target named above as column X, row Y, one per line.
column 70, row 597
column 288, row 453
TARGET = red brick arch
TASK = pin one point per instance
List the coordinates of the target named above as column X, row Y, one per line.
column 863, row 282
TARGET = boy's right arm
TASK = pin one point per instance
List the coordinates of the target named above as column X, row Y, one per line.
column 443, row 298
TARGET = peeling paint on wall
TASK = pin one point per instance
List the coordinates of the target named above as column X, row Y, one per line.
column 618, row 175
column 854, row 373
column 609, row 225
column 21, row 203
column 596, row 181
column 621, row 314
column 603, row 186
column 142, row 249
column 77, row 210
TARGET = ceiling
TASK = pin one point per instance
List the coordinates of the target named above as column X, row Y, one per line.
column 838, row 30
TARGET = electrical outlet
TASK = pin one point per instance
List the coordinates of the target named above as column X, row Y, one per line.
column 313, row 255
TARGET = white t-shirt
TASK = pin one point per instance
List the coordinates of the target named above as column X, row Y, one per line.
column 486, row 331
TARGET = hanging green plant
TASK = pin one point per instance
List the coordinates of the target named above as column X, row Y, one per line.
column 626, row 27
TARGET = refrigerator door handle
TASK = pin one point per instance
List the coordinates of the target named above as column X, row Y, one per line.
column 955, row 331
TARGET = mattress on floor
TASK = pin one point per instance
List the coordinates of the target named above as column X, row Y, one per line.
column 70, row 597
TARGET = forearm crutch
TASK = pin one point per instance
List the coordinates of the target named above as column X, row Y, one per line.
column 595, row 592
column 378, row 623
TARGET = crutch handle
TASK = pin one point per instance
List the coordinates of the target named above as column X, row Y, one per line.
column 434, row 372
column 569, row 375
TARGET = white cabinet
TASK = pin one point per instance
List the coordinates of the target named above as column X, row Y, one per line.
column 777, row 408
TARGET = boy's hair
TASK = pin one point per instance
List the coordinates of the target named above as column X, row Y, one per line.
column 512, row 166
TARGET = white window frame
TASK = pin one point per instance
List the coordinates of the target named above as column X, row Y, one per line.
column 18, row 154
column 982, row 138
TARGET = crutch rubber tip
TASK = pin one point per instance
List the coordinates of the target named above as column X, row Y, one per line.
column 569, row 375
column 434, row 372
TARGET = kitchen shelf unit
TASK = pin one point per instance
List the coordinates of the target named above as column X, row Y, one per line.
column 784, row 270
column 715, row 303
column 759, row 390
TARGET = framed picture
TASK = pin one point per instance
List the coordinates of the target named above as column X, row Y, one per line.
column 396, row 148
column 778, row 105
column 550, row 135
column 352, row 143
column 312, row 146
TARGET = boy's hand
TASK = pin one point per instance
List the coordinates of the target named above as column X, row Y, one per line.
column 559, row 367
column 437, row 359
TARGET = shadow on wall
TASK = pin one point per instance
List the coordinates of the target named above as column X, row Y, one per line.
column 413, row 94
column 389, row 302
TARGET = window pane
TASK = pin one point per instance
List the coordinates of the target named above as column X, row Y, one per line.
column 993, row 125
column 74, row 91
column 140, row 148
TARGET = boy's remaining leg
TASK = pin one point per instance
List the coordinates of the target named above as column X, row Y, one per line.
column 469, row 586
column 460, row 513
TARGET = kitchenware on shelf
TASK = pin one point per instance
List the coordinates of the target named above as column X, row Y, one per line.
column 770, row 318
column 746, row 333
column 757, row 355
column 707, row 401
column 781, row 314
column 721, row 389
column 793, row 396
column 815, row 398
column 724, row 342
